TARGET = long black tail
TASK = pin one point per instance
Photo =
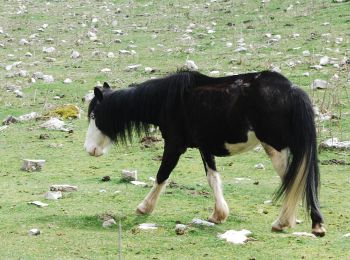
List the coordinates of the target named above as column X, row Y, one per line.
column 302, row 177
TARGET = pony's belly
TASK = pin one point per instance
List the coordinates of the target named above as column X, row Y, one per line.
column 243, row 147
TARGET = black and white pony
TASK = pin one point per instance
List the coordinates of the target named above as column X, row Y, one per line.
column 219, row 116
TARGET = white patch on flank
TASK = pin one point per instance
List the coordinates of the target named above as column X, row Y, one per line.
column 221, row 209
column 150, row 202
column 96, row 143
column 242, row 147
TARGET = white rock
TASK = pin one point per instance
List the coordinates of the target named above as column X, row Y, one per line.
column 34, row 232
column 88, row 97
column 23, row 73
column 94, row 20
column 236, row 237
column 28, row 54
column 306, row 74
column 32, row 165
column 75, row 55
column 214, row 73
column 53, row 124
column 335, row 77
column 102, row 191
column 180, row 229
column 197, row 221
column 229, row 44
column 347, row 235
column 268, row 202
column 38, row 75
column 18, row 93
column 110, row 55
column 133, row 67
column 124, row 52
column 48, row 78
column 334, row 143
column 50, row 59
column 149, row 70
column 259, row 166
column 138, row 183
column 8, row 67
column 27, row 117
column 306, row 53
column 38, row 204
column 211, row 31
column 67, row 81
column 109, row 223
column 106, row 70
column 49, row 49
column 339, row 40
column 303, row 234
column 63, row 187
column 45, row 25
column 23, row 42
column 238, row 179
column 316, row 67
column 53, row 195
column 191, row 65
column 324, row 60
column 147, row 226
column 319, row 84
column 240, row 49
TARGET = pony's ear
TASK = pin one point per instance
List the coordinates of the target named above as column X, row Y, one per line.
column 98, row 94
column 105, row 85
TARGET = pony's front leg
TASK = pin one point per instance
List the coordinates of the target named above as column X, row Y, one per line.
column 221, row 210
column 171, row 156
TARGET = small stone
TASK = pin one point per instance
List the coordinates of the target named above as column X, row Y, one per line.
column 106, row 178
column 28, row 117
column 109, row 223
column 28, row 54
column 197, row 221
column 88, row 97
column 133, row 67
column 53, row 195
column 306, row 53
column 147, row 226
column 23, row 42
column 324, row 60
column 30, row 165
column 316, row 67
column 347, row 235
column 18, row 93
column 102, row 191
column 38, row 75
column 34, row 232
column 39, row 204
column 240, row 49
column 106, row 70
column 75, row 55
column 53, row 124
column 229, row 44
column 180, row 229
column 306, row 74
column 149, row 70
column 303, row 234
column 191, row 65
column 49, row 49
column 48, row 78
column 214, row 73
column 138, row 183
column 110, row 55
column 67, row 81
column 319, row 84
column 63, row 188
column 259, row 166
column 268, row 202
column 124, row 52
column 129, row 175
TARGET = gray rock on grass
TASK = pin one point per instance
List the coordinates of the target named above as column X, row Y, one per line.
column 63, row 187
column 31, row 165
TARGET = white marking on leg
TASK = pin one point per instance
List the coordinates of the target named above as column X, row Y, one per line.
column 96, row 143
column 221, row 209
column 150, row 201
column 242, row 147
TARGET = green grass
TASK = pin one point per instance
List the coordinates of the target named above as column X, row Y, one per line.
column 71, row 227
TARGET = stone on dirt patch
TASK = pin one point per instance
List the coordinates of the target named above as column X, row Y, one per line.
column 236, row 237
column 334, row 143
column 30, row 165
column 63, row 188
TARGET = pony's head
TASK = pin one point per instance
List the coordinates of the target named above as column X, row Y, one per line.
column 97, row 141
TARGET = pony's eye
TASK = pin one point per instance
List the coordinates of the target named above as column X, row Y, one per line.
column 92, row 116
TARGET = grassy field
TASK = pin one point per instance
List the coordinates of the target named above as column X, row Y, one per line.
column 161, row 35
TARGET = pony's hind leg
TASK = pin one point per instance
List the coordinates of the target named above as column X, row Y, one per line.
column 287, row 217
column 221, row 209
column 171, row 156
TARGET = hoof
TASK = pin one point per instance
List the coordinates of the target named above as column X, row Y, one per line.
column 318, row 230
column 218, row 218
column 142, row 209
column 278, row 227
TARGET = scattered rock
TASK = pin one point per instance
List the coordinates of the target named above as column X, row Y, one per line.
column 102, row 191
column 138, row 183
column 180, row 229
column 32, row 165
column 23, row 42
column 9, row 120
column 268, row 202
column 334, row 143
column 54, row 145
column 133, row 67
column 63, row 188
column 38, row 204
column 106, row 70
column 67, row 81
column 129, row 175
column 147, row 226
column 319, row 84
column 110, row 55
column 106, row 178
column 259, row 166
column 236, row 237
column 149, row 70
column 49, row 49
column 197, row 221
column 303, row 234
column 48, row 78
column 75, row 55
column 240, row 49
column 214, row 73
column 324, row 60
column 34, row 232
column 347, row 235
column 189, row 64
column 109, row 223
column 53, row 195
column 28, row 117
column 44, row 136
column 54, row 124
